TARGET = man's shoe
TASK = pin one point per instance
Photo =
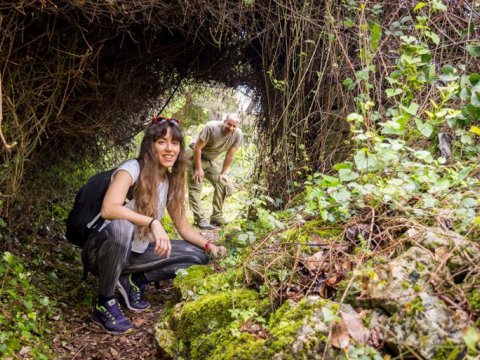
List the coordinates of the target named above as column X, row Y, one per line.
column 218, row 222
column 110, row 317
column 205, row 225
column 132, row 293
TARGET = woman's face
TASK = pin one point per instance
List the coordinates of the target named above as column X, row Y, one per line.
column 167, row 150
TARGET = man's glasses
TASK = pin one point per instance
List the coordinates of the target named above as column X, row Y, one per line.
column 160, row 120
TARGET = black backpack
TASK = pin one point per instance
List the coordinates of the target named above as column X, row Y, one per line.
column 85, row 214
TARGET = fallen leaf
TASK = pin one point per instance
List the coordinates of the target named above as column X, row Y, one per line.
column 24, row 350
column 347, row 265
column 354, row 232
column 340, row 338
column 355, row 327
column 315, row 261
column 138, row 322
column 113, row 351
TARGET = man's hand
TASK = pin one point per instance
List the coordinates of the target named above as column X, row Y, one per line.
column 163, row 246
column 223, row 178
column 198, row 176
column 217, row 251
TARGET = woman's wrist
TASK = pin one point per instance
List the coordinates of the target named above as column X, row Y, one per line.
column 208, row 245
column 151, row 223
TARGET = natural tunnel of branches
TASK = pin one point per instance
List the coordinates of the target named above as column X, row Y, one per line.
column 79, row 75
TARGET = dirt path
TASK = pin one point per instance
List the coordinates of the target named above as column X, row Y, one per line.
column 82, row 339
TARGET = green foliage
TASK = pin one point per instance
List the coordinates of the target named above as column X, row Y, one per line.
column 23, row 319
column 242, row 316
column 471, row 338
column 387, row 167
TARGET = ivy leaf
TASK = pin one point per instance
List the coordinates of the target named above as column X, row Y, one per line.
column 474, row 78
column 411, row 109
column 342, row 195
column 438, row 5
column 448, row 69
column 474, row 50
column 8, row 257
column 434, row 37
column 475, row 99
column 449, row 73
column 396, row 126
column 475, row 129
column 376, row 34
column 471, row 111
column 424, row 155
column 348, row 23
column 469, row 202
column 365, row 161
column 347, row 175
column 28, row 304
column 419, row 6
column 339, row 166
column 425, row 128
column 429, row 72
column 464, row 95
column 393, row 92
column 463, row 174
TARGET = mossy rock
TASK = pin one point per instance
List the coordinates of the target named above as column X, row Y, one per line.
column 427, row 326
column 440, row 241
column 199, row 280
column 316, row 228
column 211, row 312
column 391, row 286
column 297, row 331
column 221, row 344
column 166, row 341
column 300, row 331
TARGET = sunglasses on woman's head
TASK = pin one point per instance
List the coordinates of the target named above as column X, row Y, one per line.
column 160, row 120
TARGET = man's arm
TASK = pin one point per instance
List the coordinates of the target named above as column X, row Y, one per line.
column 197, row 160
column 228, row 160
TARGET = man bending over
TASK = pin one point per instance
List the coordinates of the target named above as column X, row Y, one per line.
column 216, row 138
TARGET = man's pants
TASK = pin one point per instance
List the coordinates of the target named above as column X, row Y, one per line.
column 221, row 191
column 108, row 254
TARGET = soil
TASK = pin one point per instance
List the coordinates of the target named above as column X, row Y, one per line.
column 82, row 339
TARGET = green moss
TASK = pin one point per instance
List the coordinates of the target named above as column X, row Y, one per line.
column 473, row 299
column 189, row 280
column 286, row 325
column 211, row 312
column 354, row 290
column 200, row 280
column 166, row 341
column 447, row 351
column 167, row 310
column 223, row 345
column 306, row 317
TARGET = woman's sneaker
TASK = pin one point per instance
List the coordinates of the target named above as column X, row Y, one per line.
column 110, row 317
column 132, row 293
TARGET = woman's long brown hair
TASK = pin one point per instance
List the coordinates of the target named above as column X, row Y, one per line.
column 146, row 189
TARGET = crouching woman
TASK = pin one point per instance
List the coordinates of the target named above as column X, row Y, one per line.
column 132, row 237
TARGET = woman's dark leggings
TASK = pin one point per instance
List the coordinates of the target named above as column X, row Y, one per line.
column 115, row 257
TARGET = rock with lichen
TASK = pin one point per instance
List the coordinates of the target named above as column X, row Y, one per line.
column 448, row 246
column 389, row 286
column 428, row 327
